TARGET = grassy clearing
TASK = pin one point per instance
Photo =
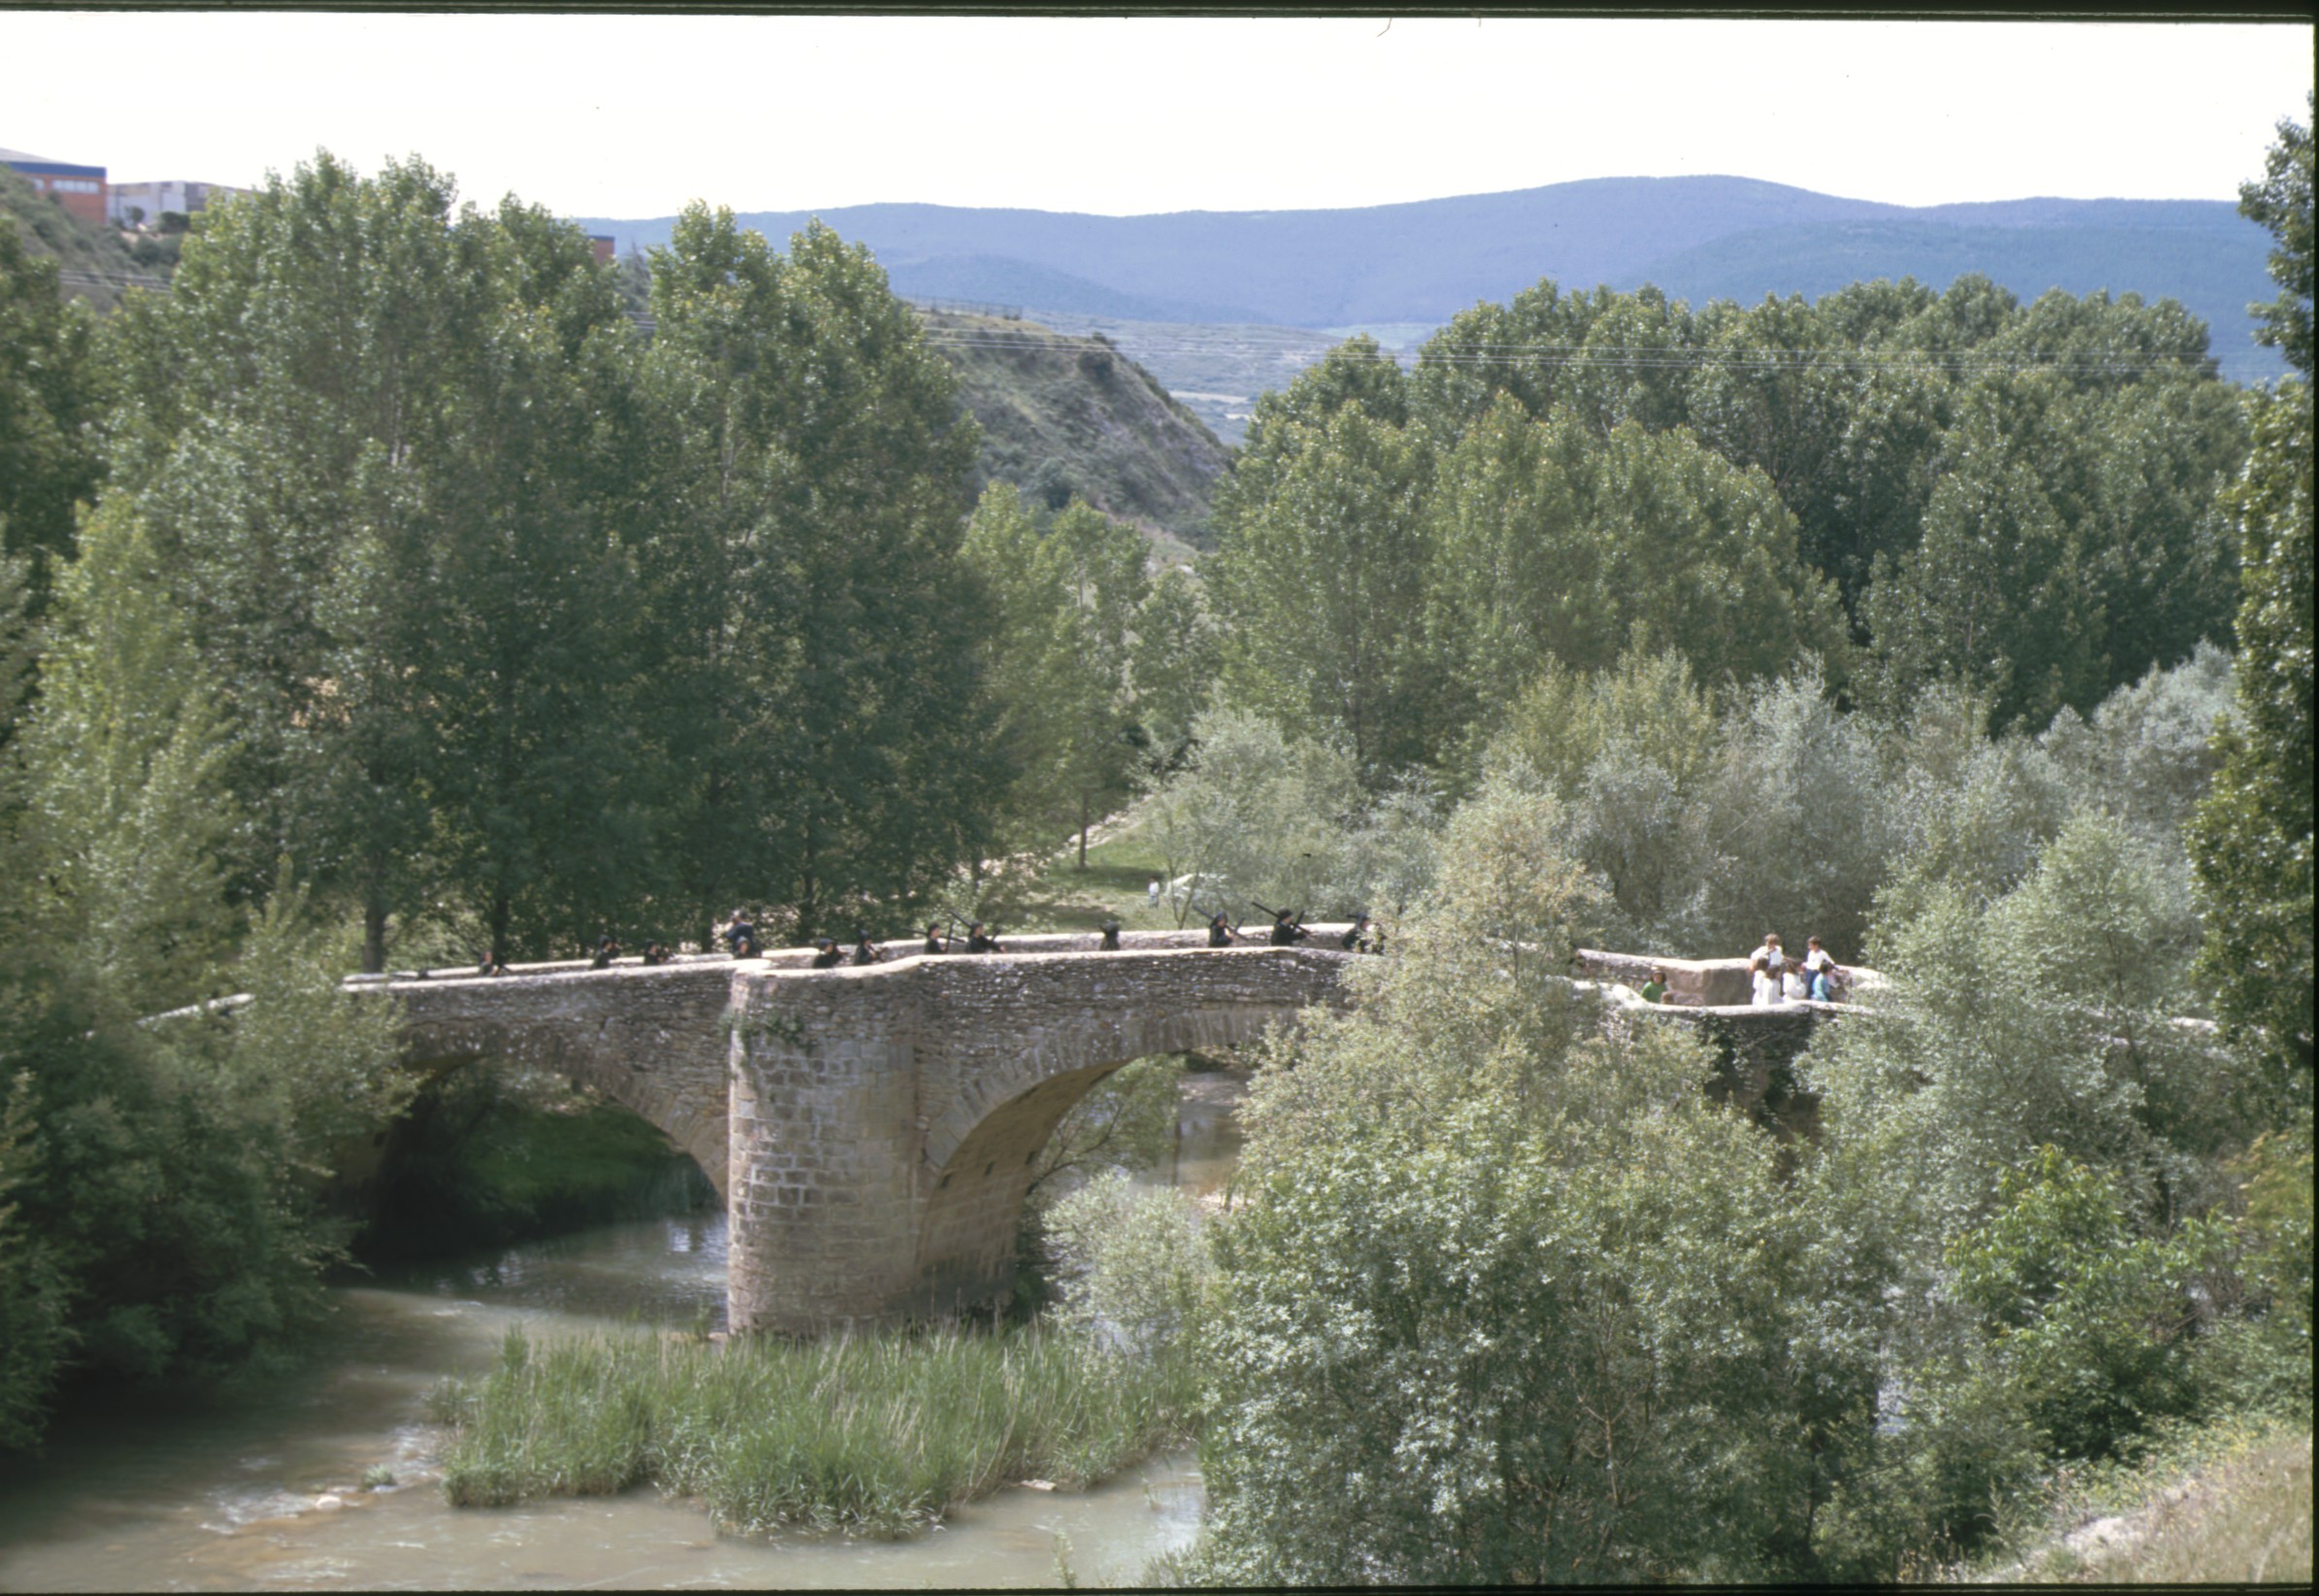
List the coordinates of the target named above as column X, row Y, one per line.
column 875, row 1436
column 2228, row 1501
column 2249, row 1520
column 1062, row 897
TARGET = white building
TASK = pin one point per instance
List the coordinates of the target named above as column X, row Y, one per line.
column 154, row 198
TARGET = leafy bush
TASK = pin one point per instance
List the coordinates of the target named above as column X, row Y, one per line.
column 1512, row 1299
column 1141, row 1272
column 2092, row 1319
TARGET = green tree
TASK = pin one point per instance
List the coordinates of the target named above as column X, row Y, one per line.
column 165, row 1172
column 2251, row 839
column 1321, row 577
column 1062, row 602
column 1172, row 664
column 1556, row 542
column 1846, row 433
column 2282, row 204
column 1255, row 814
column 125, row 757
column 379, row 442
column 817, row 698
column 50, row 401
column 1487, row 1317
column 1101, row 583
column 528, row 635
column 34, row 1335
column 1520, row 350
column 2092, row 1316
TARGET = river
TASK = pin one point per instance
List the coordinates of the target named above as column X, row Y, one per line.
column 261, row 1487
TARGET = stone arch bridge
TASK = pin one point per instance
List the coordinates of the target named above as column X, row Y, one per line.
column 872, row 1129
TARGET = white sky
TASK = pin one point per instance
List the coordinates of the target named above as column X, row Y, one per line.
column 632, row 115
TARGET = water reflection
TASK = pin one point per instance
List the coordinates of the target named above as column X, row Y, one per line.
column 663, row 1272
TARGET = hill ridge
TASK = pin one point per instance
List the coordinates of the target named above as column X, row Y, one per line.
column 1422, row 261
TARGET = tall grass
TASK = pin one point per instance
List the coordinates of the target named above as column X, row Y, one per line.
column 875, row 1436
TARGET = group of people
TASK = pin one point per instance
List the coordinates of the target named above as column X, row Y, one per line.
column 1289, row 929
column 607, row 952
column 1775, row 975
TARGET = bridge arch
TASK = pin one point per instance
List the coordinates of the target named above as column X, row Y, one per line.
column 980, row 1154
column 649, row 1039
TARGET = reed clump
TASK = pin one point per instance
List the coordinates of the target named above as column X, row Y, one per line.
column 870, row 1435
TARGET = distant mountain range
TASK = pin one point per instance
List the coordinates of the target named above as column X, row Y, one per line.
column 1695, row 238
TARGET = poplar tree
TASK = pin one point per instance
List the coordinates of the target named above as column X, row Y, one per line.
column 373, row 434
column 820, row 711
column 50, row 403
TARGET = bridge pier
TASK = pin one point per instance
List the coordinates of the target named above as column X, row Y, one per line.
column 886, row 1119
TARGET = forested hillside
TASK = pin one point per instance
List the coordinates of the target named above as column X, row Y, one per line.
column 381, row 594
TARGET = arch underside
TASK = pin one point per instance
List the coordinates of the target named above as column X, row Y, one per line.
column 693, row 1128
column 979, row 1177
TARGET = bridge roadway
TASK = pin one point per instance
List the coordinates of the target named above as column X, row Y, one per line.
column 872, row 1129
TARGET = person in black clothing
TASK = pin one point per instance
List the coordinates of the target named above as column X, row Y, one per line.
column 654, row 952
column 934, row 941
column 1350, row 942
column 865, row 951
column 828, row 958
column 1111, row 938
column 1286, row 929
column 740, row 936
column 1221, row 935
column 606, row 952
column 980, row 941
column 490, row 965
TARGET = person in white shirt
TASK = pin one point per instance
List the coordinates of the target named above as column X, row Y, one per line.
column 1765, row 964
column 1821, row 972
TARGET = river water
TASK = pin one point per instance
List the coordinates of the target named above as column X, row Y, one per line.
column 261, row 1487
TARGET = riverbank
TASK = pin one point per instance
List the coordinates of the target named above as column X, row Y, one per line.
column 216, row 1489
column 879, row 1436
